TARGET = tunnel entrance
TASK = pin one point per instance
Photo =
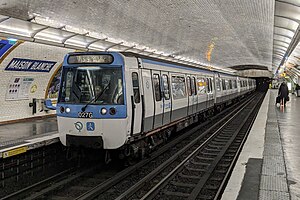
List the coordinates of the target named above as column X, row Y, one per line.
column 262, row 84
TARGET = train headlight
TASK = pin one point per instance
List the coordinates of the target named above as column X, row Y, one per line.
column 68, row 110
column 103, row 111
column 112, row 111
column 62, row 109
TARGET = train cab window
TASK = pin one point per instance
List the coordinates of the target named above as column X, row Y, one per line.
column 193, row 86
column 93, row 85
column 201, row 85
column 188, row 83
column 136, row 87
column 218, row 84
column 166, row 86
column 156, row 85
column 178, row 87
column 223, row 84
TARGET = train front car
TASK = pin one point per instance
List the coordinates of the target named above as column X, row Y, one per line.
column 91, row 108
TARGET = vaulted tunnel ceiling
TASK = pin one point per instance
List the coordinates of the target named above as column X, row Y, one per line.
column 218, row 33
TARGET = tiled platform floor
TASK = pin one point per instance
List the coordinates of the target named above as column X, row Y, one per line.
column 274, row 144
column 21, row 130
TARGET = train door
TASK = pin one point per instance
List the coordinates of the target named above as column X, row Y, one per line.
column 194, row 93
column 158, row 102
column 210, row 95
column 201, row 93
column 136, row 102
column 190, row 95
column 167, row 104
column 212, row 91
column 148, row 100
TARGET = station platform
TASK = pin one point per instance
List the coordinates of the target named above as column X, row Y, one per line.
column 269, row 165
column 16, row 138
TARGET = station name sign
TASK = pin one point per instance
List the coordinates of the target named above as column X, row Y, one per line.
column 20, row 64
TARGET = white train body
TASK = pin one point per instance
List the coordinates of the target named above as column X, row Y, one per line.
column 114, row 99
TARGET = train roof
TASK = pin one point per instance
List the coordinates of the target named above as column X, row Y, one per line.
column 171, row 63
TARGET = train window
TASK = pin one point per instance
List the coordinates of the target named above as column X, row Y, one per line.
column 136, row 87
column 208, row 86
column 97, row 86
column 166, row 86
column 227, row 84
column 188, row 83
column 193, row 86
column 211, row 85
column 234, row 84
column 201, row 85
column 223, row 84
column 218, row 84
column 156, row 85
column 230, row 84
column 178, row 87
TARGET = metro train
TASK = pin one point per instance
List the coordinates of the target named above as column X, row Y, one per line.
column 131, row 102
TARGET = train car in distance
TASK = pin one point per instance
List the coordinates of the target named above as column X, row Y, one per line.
column 129, row 102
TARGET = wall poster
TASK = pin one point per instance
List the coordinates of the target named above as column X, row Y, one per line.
column 19, row 88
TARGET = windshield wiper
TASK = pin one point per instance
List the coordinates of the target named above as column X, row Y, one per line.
column 95, row 99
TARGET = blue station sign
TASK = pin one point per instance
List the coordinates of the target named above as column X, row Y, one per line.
column 20, row 64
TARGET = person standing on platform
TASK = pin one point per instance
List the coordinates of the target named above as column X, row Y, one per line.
column 283, row 93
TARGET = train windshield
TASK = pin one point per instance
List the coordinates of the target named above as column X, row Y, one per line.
column 97, row 85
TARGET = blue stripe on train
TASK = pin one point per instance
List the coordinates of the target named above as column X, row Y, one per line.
column 95, row 109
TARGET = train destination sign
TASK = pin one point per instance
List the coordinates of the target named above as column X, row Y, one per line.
column 90, row 58
column 20, row 64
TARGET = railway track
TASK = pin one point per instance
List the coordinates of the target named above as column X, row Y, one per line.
column 133, row 182
column 200, row 170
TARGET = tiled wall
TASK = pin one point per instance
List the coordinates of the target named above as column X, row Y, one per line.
column 19, row 109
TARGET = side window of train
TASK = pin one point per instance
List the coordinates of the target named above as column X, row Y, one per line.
column 193, row 85
column 208, row 86
column 178, row 87
column 234, row 84
column 230, row 84
column 227, row 84
column 218, row 84
column 223, row 84
column 156, row 84
column 211, row 85
column 201, row 85
column 188, row 83
column 166, row 86
column 136, row 87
